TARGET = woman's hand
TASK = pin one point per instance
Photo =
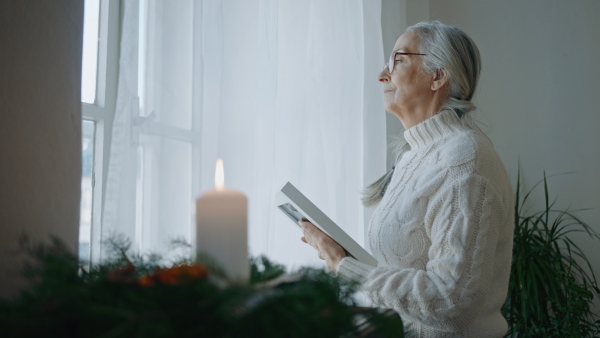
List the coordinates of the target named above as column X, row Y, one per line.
column 327, row 248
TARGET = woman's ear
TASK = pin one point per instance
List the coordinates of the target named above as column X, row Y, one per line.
column 440, row 78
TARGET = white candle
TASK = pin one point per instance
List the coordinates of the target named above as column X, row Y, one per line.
column 221, row 227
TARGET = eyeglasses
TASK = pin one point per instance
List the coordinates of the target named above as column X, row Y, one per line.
column 392, row 61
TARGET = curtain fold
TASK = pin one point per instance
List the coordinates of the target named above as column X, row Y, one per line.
column 119, row 196
column 282, row 91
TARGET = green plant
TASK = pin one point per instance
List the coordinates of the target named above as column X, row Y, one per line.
column 133, row 295
column 552, row 283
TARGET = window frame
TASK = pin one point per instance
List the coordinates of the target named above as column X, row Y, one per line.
column 102, row 112
column 144, row 121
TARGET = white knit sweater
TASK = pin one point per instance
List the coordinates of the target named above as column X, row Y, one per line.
column 442, row 234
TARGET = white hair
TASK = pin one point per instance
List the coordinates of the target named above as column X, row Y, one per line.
column 448, row 49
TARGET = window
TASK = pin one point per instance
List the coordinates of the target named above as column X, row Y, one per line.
column 89, row 69
column 87, row 188
column 185, row 100
column 98, row 99
column 164, row 130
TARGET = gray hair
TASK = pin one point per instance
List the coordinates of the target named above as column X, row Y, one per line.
column 373, row 193
column 448, row 50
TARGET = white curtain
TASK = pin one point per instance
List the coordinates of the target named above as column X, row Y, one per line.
column 281, row 90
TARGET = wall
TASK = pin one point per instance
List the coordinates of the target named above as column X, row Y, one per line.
column 537, row 97
column 40, row 127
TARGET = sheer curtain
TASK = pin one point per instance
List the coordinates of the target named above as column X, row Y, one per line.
column 282, row 91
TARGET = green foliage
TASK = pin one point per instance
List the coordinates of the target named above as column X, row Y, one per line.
column 262, row 270
column 134, row 296
column 552, row 283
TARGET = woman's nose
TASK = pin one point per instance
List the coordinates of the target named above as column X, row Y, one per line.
column 384, row 76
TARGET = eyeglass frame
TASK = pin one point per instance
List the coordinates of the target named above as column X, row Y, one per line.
column 391, row 64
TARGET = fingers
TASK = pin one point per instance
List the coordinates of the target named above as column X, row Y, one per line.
column 315, row 238
column 313, row 235
column 303, row 239
column 304, row 224
column 308, row 228
column 308, row 232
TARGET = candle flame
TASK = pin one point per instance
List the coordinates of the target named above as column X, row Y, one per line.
column 219, row 175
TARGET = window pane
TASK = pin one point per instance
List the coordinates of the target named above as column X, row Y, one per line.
column 165, row 196
column 166, row 62
column 89, row 68
column 87, row 187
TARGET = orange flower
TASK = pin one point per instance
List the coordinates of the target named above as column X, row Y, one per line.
column 146, row 281
column 181, row 273
column 167, row 276
column 196, row 271
column 124, row 274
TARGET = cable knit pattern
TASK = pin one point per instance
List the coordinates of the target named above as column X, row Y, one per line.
column 442, row 234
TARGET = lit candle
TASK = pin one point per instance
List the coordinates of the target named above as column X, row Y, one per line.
column 221, row 227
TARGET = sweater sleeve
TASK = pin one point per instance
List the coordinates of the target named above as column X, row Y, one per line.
column 463, row 219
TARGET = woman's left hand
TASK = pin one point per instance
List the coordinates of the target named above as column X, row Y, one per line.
column 328, row 249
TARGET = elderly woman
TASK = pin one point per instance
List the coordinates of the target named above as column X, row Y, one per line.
column 443, row 227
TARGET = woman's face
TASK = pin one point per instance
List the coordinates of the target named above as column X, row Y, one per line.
column 408, row 88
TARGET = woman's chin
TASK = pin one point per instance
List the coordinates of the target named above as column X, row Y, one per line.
column 390, row 107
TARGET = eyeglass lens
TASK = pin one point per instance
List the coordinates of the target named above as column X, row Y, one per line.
column 391, row 64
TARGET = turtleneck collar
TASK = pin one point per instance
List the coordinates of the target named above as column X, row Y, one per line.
column 435, row 128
